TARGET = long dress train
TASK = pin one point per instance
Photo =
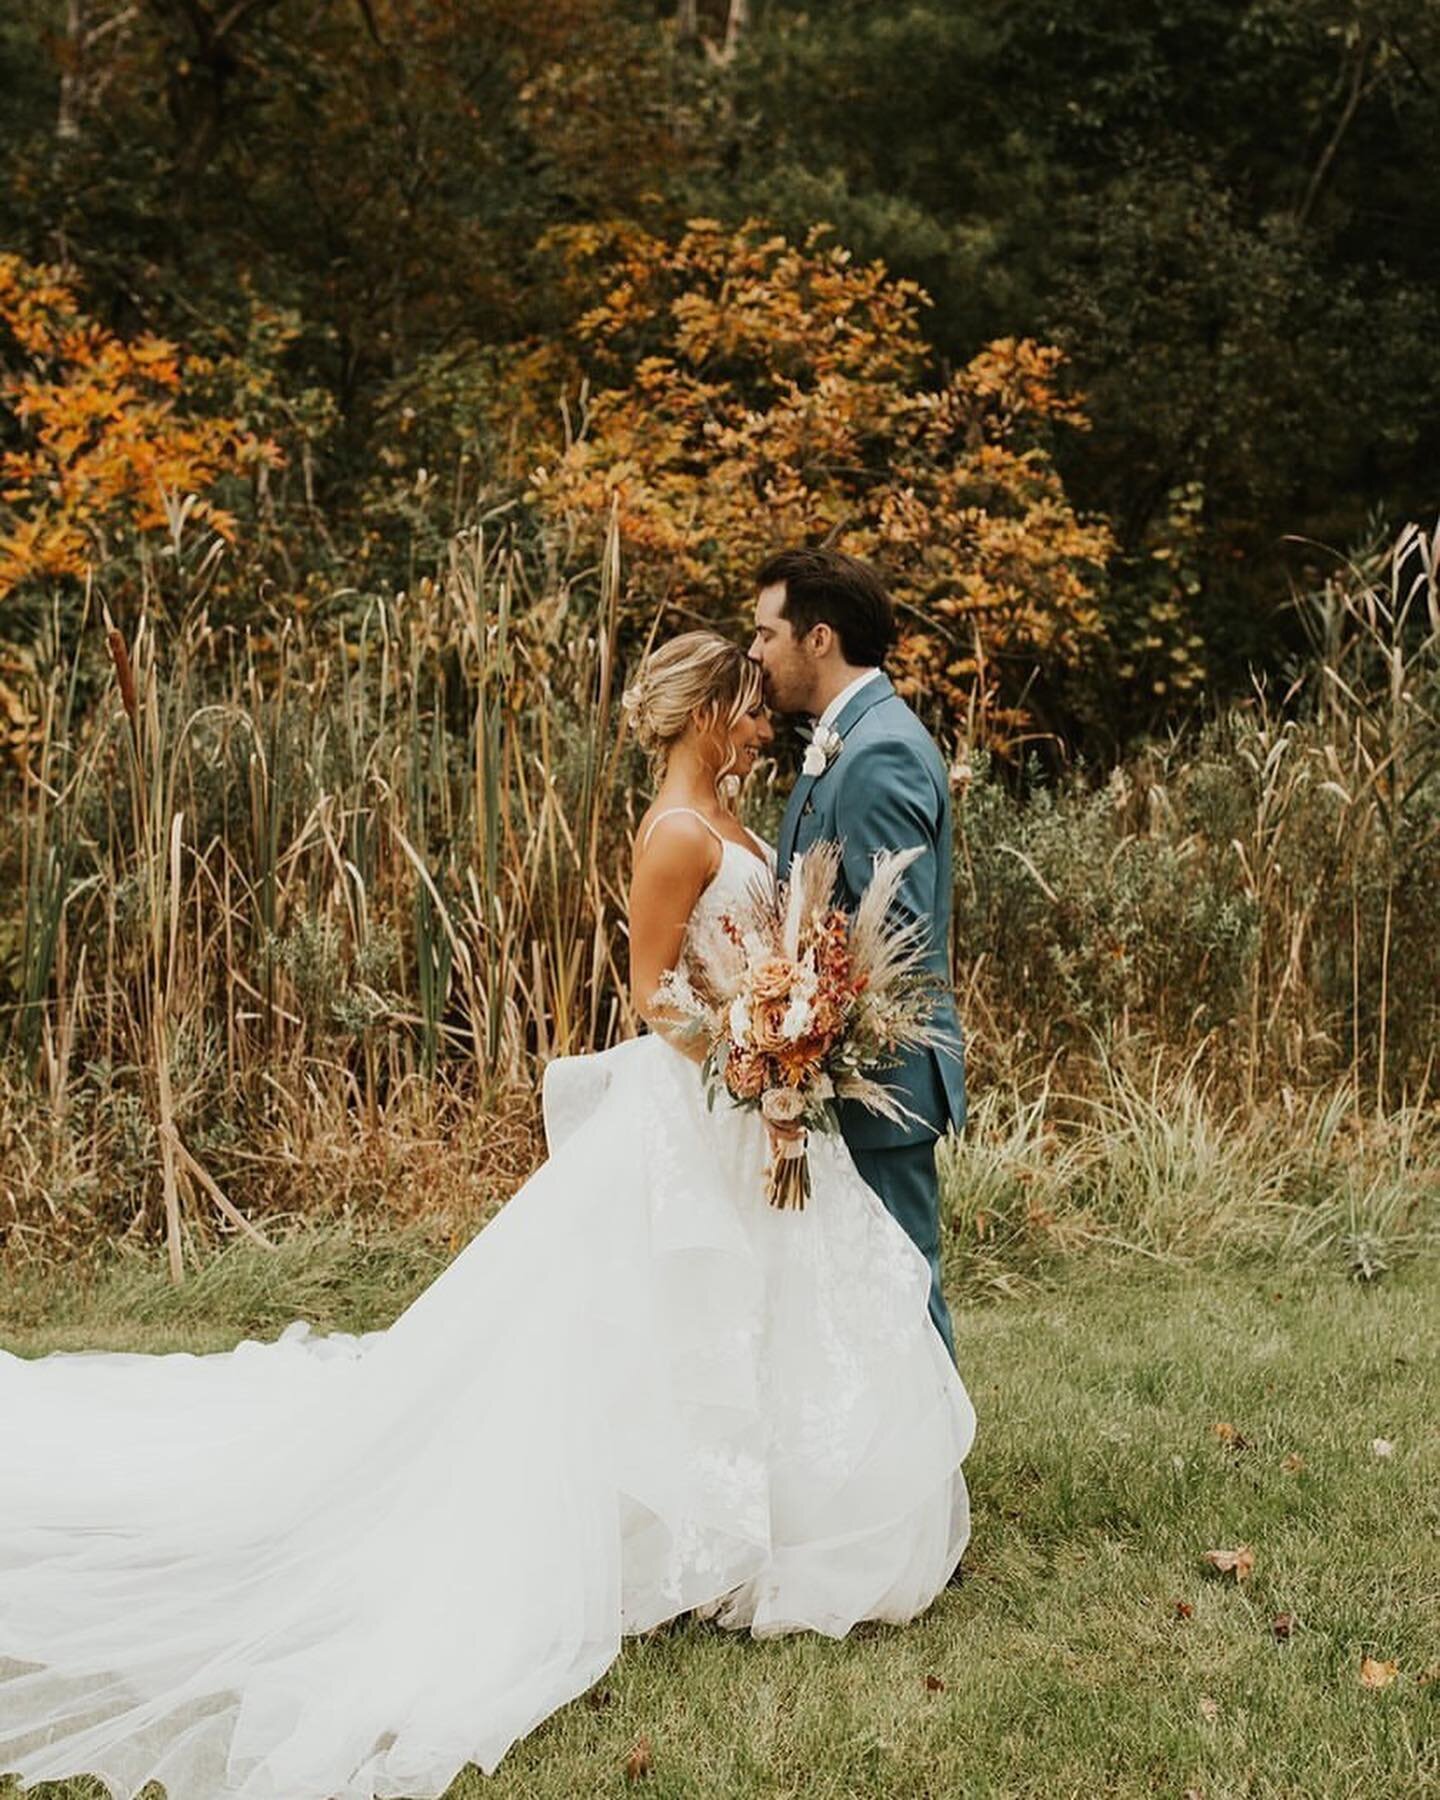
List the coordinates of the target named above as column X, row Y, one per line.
column 337, row 1566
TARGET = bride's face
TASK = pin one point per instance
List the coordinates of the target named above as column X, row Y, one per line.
column 742, row 743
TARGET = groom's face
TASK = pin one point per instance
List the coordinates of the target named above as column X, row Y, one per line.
column 789, row 670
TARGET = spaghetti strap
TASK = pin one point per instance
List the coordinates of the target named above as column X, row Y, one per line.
column 762, row 849
column 670, row 813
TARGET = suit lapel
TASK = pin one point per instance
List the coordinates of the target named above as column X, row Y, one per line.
column 790, row 825
column 853, row 711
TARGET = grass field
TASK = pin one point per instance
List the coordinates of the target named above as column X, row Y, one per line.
column 1088, row 1648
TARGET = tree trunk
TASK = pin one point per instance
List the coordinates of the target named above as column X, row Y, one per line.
column 735, row 24
column 82, row 81
column 204, row 56
column 67, row 123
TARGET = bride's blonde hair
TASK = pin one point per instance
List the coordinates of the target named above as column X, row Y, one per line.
column 698, row 675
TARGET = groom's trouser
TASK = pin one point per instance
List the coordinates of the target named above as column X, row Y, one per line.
column 904, row 1178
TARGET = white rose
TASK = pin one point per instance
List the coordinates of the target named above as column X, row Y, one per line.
column 782, row 1106
column 825, row 745
column 739, row 1021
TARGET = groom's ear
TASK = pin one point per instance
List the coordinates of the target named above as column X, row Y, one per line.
column 819, row 638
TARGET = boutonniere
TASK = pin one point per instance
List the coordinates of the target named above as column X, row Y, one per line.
column 825, row 745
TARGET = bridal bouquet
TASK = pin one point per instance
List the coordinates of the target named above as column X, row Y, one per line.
column 801, row 1004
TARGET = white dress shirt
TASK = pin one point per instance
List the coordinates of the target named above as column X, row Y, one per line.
column 833, row 711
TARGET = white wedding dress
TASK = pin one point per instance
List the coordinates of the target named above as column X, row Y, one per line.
column 338, row 1566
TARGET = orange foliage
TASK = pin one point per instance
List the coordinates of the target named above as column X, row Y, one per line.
column 105, row 439
column 749, row 392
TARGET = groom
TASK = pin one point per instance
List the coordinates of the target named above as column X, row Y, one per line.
column 872, row 780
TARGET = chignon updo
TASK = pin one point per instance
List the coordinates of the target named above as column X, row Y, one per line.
column 698, row 675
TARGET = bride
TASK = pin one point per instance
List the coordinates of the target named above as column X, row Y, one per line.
column 338, row 1566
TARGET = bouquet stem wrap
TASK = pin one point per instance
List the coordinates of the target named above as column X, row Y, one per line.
column 787, row 1183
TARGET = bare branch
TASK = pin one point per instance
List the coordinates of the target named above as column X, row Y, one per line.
column 1360, row 90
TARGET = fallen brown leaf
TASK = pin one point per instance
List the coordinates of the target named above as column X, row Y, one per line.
column 1209, row 1708
column 1184, row 1610
column 638, row 1763
column 1292, row 1464
column 1229, row 1435
column 1377, row 1674
column 934, row 1685
column 1239, row 1563
column 1281, row 1626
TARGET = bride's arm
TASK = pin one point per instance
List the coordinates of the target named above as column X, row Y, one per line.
column 671, row 873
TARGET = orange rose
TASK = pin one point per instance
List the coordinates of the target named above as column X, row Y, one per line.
column 766, row 1027
column 773, row 979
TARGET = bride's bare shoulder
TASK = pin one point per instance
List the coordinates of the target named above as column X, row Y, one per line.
column 676, row 837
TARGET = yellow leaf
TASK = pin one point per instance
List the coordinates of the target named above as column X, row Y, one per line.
column 1376, row 1674
column 1239, row 1563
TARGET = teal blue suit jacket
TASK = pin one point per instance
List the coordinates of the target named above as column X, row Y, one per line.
column 888, row 789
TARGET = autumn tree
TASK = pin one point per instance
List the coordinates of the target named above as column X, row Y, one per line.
column 1217, row 209
column 101, row 443
column 746, row 391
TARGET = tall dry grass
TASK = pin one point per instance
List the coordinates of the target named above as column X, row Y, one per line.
column 298, row 886
column 1264, row 893
column 298, row 914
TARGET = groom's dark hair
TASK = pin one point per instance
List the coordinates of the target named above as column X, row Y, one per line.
column 827, row 587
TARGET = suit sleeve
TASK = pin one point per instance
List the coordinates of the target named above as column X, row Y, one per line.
column 888, row 803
